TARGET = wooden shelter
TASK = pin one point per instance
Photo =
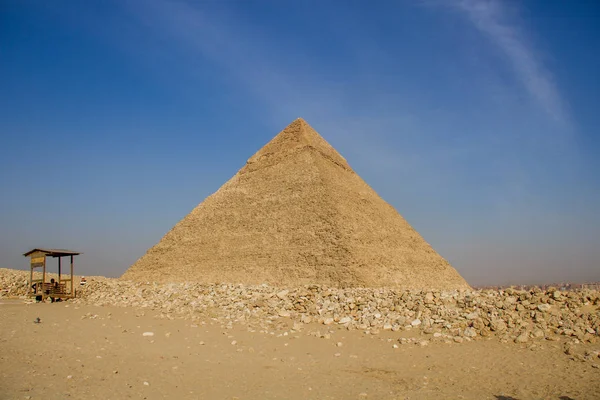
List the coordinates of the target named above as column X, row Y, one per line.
column 64, row 287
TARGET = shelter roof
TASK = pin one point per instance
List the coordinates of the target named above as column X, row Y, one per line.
column 53, row 252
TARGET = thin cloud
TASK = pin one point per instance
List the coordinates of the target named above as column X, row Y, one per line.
column 284, row 93
column 490, row 17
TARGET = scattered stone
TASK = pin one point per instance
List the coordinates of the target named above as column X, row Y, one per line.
column 472, row 316
column 522, row 338
column 148, row 334
column 283, row 294
column 568, row 350
column 544, row 307
column 416, row 322
column 556, row 295
column 538, row 334
column 470, row 332
column 498, row 325
column 429, row 298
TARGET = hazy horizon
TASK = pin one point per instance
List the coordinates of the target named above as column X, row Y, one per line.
column 476, row 120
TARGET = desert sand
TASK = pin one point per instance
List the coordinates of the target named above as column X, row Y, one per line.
column 100, row 352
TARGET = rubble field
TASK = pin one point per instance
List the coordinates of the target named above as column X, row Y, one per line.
column 432, row 316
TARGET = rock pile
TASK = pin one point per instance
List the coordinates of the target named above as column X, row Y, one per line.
column 511, row 315
column 15, row 283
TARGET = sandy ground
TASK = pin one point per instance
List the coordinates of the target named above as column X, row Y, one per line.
column 106, row 356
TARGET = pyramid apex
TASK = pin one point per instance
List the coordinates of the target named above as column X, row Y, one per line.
column 297, row 122
column 297, row 136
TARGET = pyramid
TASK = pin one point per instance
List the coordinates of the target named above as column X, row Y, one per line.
column 296, row 214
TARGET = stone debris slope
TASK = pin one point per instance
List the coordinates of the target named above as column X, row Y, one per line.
column 296, row 214
column 15, row 283
column 452, row 316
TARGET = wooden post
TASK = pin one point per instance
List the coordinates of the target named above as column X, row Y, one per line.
column 38, row 259
column 30, row 277
column 44, row 279
column 59, row 267
column 72, row 287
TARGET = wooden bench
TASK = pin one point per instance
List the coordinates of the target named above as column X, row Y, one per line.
column 56, row 289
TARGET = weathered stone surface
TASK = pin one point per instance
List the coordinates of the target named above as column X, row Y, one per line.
column 295, row 214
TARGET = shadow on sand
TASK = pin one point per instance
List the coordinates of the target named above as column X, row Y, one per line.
column 514, row 398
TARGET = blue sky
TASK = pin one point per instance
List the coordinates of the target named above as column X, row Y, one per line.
column 477, row 120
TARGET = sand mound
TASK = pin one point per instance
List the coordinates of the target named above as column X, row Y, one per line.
column 296, row 213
